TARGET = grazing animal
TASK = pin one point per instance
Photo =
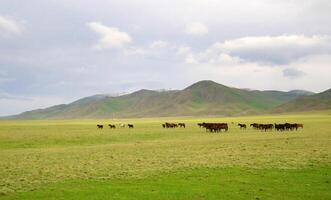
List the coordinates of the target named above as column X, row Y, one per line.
column 279, row 127
column 288, row 127
column 254, row 125
column 216, row 127
column 242, row 126
column 262, row 127
column 300, row 125
column 130, row 125
column 163, row 125
column 111, row 126
column 122, row 125
column 201, row 124
column 171, row 125
column 181, row 125
column 266, row 127
column 99, row 126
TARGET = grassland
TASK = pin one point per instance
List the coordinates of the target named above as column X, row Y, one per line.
column 71, row 159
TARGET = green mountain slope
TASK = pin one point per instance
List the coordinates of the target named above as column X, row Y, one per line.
column 320, row 101
column 201, row 98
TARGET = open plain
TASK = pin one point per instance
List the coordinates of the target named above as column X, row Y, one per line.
column 72, row 159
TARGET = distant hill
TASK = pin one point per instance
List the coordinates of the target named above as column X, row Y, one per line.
column 301, row 92
column 201, row 98
column 320, row 101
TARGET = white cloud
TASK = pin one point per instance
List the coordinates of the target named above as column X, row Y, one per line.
column 196, row 28
column 183, row 50
column 110, row 37
column 292, row 73
column 137, row 51
column 190, row 59
column 273, row 49
column 159, row 44
column 9, row 27
column 311, row 73
column 307, row 67
column 155, row 49
column 209, row 56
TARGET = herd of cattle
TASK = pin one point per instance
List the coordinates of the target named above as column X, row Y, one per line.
column 218, row 127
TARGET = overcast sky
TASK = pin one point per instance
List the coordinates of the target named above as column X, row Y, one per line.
column 56, row 51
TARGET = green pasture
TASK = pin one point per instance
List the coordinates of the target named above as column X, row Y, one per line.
column 72, row 159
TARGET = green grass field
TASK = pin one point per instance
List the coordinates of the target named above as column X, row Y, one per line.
column 72, row 159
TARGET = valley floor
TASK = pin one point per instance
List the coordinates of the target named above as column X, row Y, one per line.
column 72, row 159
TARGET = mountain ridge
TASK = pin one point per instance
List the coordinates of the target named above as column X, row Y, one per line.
column 319, row 101
column 199, row 99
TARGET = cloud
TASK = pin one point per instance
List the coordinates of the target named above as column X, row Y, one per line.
column 208, row 56
column 188, row 55
column 159, row 44
column 155, row 49
column 292, row 73
column 4, row 78
column 9, row 27
column 110, row 37
column 196, row 29
column 183, row 50
column 273, row 50
column 57, row 47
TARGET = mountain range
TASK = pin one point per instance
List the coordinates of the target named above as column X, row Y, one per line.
column 204, row 98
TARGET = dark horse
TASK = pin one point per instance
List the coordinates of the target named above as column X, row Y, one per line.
column 242, row 126
column 99, row 126
column 130, row 125
column 181, row 125
column 111, row 126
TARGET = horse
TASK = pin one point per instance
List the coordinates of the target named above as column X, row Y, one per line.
column 279, row 127
column 216, row 127
column 100, row 126
column 181, row 125
column 130, row 125
column 171, row 125
column 201, row 124
column 122, row 125
column 300, row 125
column 242, row 126
column 266, row 127
column 111, row 126
column 254, row 125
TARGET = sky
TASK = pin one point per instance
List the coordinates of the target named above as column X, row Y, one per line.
column 57, row 51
